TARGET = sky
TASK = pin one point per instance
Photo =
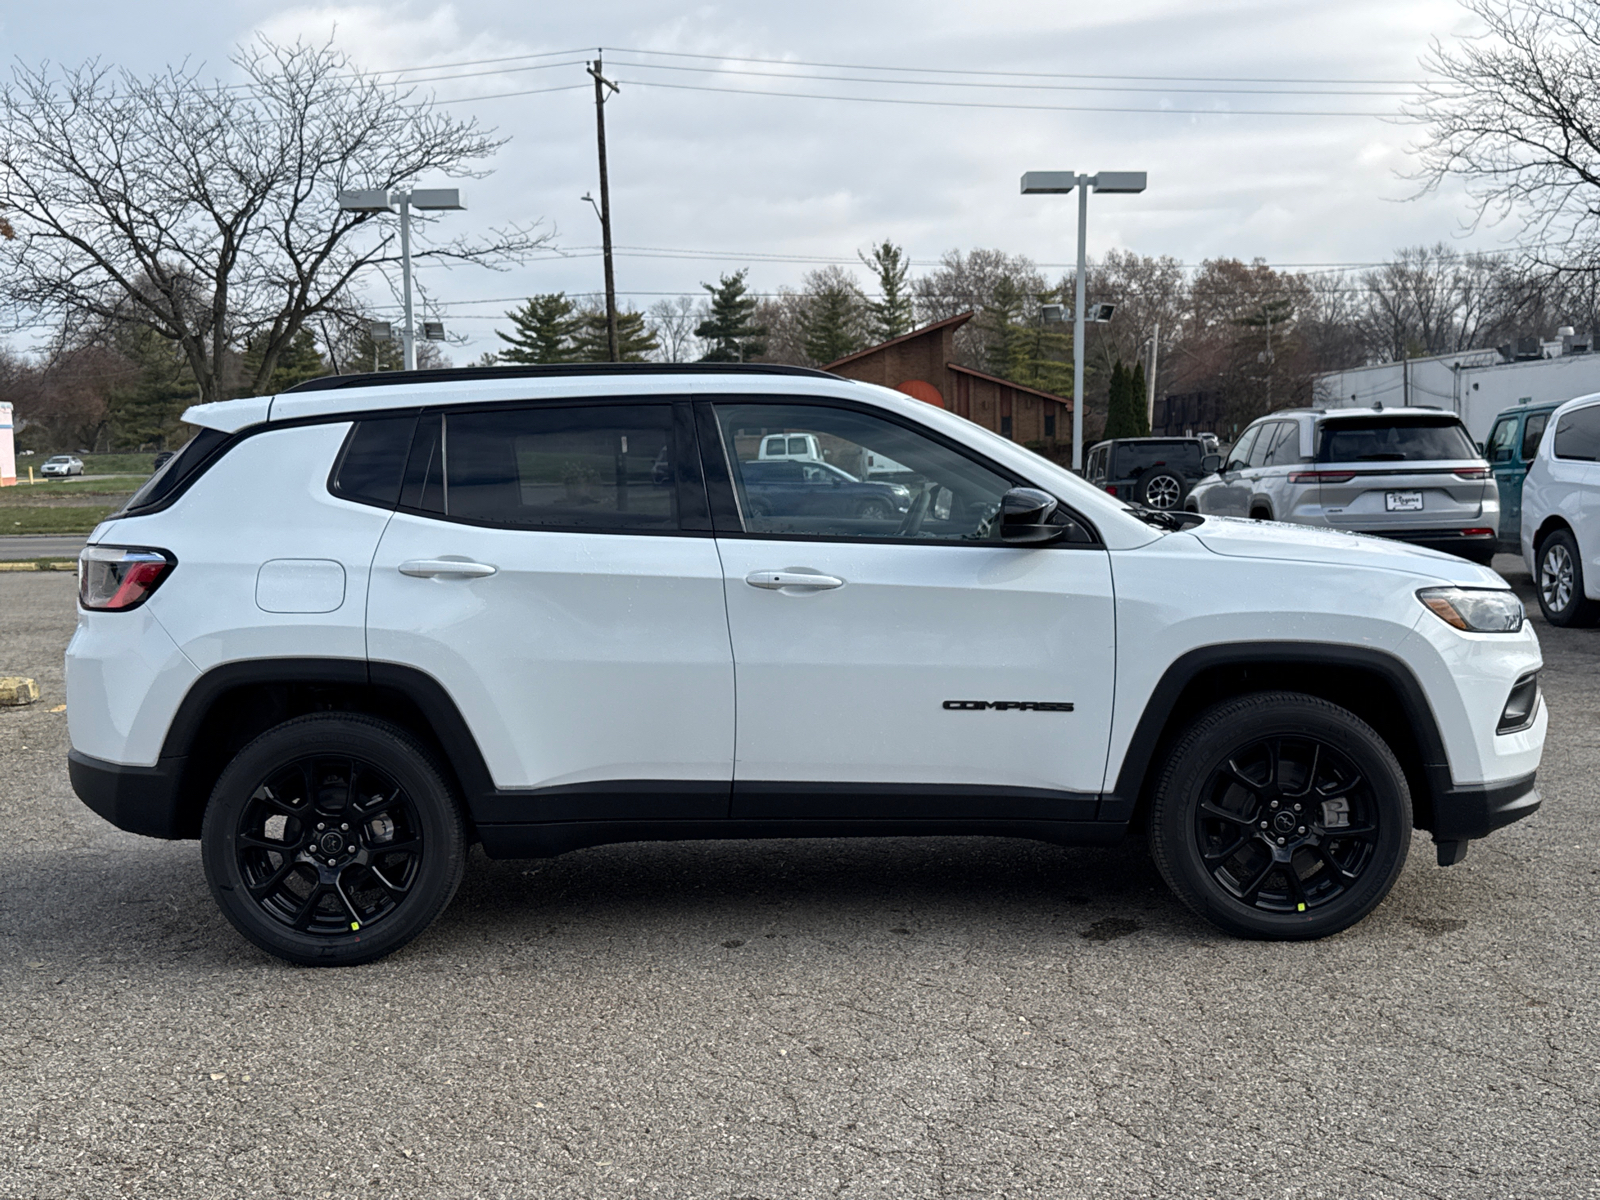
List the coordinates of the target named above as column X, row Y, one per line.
column 726, row 179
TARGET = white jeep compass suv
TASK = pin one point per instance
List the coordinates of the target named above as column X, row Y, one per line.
column 354, row 627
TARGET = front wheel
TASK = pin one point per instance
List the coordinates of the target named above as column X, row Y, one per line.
column 1279, row 815
column 332, row 840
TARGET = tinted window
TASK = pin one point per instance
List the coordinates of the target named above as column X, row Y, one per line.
column 1532, row 433
column 1241, row 449
column 374, row 458
column 1395, row 439
column 1285, row 449
column 1265, row 440
column 942, row 494
column 1503, row 440
column 177, row 471
column 607, row 467
column 1578, row 435
column 1133, row 459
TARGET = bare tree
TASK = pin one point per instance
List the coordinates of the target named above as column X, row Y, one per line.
column 970, row 282
column 1514, row 112
column 207, row 212
column 674, row 320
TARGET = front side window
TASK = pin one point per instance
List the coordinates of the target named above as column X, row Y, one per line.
column 1239, row 455
column 1265, row 440
column 941, row 495
column 1578, row 435
column 1503, row 440
column 596, row 467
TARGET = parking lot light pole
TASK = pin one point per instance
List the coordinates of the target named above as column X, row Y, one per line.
column 373, row 200
column 1056, row 183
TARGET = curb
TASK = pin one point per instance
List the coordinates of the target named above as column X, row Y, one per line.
column 40, row 565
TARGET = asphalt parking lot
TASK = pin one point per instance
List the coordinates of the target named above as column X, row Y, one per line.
column 961, row 1018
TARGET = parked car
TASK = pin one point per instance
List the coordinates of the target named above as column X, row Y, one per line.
column 61, row 466
column 1512, row 446
column 1560, row 535
column 783, row 491
column 784, row 447
column 355, row 627
column 1154, row 471
column 1413, row 474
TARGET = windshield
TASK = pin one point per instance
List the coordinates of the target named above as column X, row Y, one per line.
column 1395, row 439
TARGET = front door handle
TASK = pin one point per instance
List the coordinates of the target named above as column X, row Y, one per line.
column 425, row 568
column 778, row 580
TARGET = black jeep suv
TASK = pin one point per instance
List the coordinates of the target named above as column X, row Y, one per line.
column 1154, row 471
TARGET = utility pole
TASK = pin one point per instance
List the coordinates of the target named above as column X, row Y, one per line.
column 1150, row 400
column 601, row 83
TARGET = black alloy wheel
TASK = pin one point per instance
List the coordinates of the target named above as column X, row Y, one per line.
column 1560, row 582
column 1280, row 815
column 332, row 840
column 876, row 510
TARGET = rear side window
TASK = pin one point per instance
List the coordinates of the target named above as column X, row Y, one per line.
column 200, row 451
column 1285, row 450
column 373, row 460
column 1578, row 435
column 600, row 467
column 1395, row 439
column 1532, row 434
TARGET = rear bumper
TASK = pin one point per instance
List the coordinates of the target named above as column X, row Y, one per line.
column 1463, row 814
column 1452, row 541
column 138, row 799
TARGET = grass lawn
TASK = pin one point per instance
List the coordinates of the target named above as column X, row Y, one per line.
column 96, row 464
column 16, row 519
column 34, row 493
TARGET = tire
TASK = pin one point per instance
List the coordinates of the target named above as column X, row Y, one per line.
column 1558, row 581
column 394, row 867
column 876, row 510
column 1251, row 759
column 1160, row 489
column 1260, row 514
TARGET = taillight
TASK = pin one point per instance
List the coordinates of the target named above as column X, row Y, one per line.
column 1112, row 488
column 1322, row 476
column 1473, row 473
column 1476, row 532
column 117, row 578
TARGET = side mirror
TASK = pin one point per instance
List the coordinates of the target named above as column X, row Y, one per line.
column 1025, row 515
column 1211, row 464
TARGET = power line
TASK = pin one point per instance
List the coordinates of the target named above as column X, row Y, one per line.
column 1202, row 112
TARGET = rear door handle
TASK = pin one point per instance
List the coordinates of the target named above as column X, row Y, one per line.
column 778, row 580
column 424, row 568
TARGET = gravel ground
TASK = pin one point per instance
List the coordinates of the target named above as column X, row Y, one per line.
column 972, row 1018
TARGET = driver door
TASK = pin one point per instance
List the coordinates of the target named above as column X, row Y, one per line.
column 869, row 654
column 1230, row 496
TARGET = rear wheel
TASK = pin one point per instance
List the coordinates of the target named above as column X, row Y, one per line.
column 1560, row 582
column 332, row 840
column 1279, row 815
column 875, row 510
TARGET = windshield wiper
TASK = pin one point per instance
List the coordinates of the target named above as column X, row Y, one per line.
column 1166, row 519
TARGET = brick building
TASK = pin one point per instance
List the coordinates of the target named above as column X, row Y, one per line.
column 922, row 364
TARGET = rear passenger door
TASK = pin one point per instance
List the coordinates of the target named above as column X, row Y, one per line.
column 552, row 567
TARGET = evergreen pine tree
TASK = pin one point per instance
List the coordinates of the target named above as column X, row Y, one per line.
column 1009, row 351
column 545, row 328
column 636, row 341
column 892, row 314
column 830, row 323
column 144, row 409
column 730, row 326
column 1119, row 417
column 297, row 362
column 1139, row 401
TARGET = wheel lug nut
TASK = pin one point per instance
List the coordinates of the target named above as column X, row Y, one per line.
column 320, row 826
column 1280, row 841
column 1297, row 808
column 1302, row 829
column 1263, row 824
column 347, row 827
column 1274, row 805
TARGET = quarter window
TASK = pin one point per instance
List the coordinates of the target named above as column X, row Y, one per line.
column 1578, row 435
column 1285, row 449
column 933, row 492
column 598, row 467
column 374, row 458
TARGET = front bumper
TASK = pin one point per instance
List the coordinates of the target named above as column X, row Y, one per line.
column 1465, row 813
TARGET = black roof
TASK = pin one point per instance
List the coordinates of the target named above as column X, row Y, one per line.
column 468, row 374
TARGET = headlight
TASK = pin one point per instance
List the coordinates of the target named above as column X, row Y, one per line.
column 1476, row 610
column 900, row 489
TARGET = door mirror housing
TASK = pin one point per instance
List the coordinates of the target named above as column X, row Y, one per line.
column 1025, row 518
column 1211, row 464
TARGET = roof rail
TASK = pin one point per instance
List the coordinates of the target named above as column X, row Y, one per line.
column 475, row 374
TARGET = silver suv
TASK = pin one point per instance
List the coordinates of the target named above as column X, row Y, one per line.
column 1413, row 474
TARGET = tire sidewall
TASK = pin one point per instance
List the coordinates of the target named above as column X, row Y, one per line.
column 1221, row 732
column 1569, row 614
column 385, row 747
